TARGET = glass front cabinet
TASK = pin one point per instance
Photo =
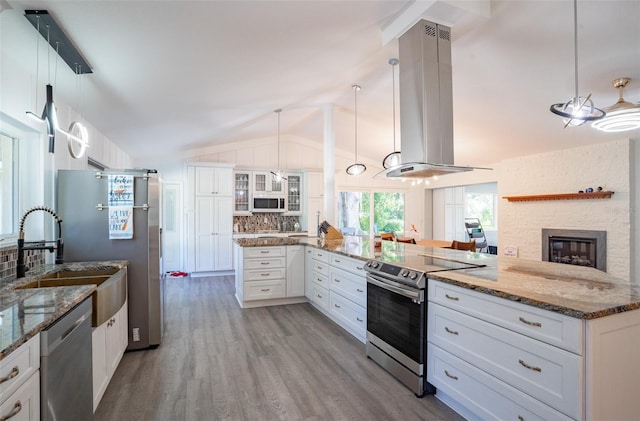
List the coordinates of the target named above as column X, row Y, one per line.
column 294, row 193
column 265, row 182
column 242, row 189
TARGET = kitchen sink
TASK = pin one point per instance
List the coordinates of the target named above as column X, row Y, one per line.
column 108, row 298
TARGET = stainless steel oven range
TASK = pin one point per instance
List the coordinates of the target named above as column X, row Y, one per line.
column 397, row 316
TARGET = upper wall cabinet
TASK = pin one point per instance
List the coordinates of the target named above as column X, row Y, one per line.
column 242, row 199
column 264, row 182
column 294, row 193
column 212, row 181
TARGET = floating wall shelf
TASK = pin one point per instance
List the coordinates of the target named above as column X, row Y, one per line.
column 562, row 196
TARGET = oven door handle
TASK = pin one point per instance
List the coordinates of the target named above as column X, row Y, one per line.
column 416, row 295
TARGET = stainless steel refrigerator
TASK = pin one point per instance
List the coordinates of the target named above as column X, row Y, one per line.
column 82, row 203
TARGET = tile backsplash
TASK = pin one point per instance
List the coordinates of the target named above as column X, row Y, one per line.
column 9, row 257
column 265, row 221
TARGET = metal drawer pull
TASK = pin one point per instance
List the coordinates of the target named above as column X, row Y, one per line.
column 319, row 279
column 451, row 376
column 520, row 418
column 17, row 407
column 337, row 260
column 359, row 267
column 264, row 251
column 14, row 372
column 265, row 289
column 319, row 296
column 336, row 280
column 359, row 319
column 453, row 332
column 319, row 267
column 522, row 363
column 359, row 290
column 264, row 263
column 336, row 306
column 452, row 298
column 264, row 274
column 525, row 321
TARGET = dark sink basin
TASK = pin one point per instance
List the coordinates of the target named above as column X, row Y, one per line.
column 108, row 298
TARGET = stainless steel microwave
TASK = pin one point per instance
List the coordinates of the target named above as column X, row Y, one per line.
column 269, row 204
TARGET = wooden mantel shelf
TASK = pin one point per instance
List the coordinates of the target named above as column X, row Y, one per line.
column 562, row 196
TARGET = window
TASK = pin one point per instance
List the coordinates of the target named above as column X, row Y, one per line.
column 8, row 184
column 480, row 202
column 360, row 213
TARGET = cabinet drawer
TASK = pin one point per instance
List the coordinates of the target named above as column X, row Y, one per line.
column 272, row 262
column 550, row 327
column 254, row 252
column 320, row 296
column 487, row 397
column 351, row 286
column 266, row 274
column 348, row 313
column 320, row 255
column 24, row 403
column 18, row 366
column 545, row 372
column 320, row 279
column 347, row 263
column 321, row 268
column 264, row 290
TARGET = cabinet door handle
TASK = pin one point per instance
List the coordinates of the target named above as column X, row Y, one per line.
column 530, row 367
column 359, row 319
column 527, row 322
column 17, row 407
column 14, row 372
column 265, row 289
column 453, row 332
column 359, row 290
column 452, row 297
column 337, row 260
column 451, row 376
column 336, row 306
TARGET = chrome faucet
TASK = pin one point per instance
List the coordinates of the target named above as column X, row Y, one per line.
column 38, row 245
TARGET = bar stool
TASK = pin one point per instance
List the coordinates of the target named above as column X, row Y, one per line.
column 462, row 245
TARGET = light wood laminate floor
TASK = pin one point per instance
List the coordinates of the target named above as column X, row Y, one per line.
column 218, row 361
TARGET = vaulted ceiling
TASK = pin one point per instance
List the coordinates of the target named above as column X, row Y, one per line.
column 175, row 75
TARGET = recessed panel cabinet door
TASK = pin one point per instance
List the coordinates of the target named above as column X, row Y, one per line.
column 205, row 233
column 223, row 238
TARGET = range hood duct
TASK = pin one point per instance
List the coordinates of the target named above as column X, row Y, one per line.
column 426, row 103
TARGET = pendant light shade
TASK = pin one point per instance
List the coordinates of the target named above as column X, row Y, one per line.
column 394, row 158
column 622, row 115
column 356, row 168
column 578, row 110
column 277, row 174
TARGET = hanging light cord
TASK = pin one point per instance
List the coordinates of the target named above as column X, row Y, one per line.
column 37, row 56
column 393, row 78
column 278, row 111
column 356, row 88
column 575, row 45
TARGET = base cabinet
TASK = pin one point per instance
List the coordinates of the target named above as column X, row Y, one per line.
column 109, row 341
column 20, row 382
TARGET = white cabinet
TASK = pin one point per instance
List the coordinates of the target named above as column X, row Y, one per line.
column 314, row 201
column 270, row 275
column 295, row 271
column 213, row 181
column 264, row 182
column 338, row 288
column 242, row 193
column 213, row 236
column 493, row 358
column 109, row 341
column 295, row 191
column 20, row 382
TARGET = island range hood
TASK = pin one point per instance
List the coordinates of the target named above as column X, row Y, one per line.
column 426, row 103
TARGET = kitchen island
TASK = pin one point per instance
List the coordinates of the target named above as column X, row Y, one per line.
column 516, row 338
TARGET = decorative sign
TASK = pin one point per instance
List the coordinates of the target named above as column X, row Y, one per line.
column 120, row 207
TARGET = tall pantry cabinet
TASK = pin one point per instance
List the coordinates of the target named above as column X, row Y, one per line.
column 211, row 197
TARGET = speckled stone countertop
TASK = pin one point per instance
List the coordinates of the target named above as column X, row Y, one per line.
column 26, row 312
column 579, row 292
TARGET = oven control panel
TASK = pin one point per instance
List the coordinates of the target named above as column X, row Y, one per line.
column 394, row 272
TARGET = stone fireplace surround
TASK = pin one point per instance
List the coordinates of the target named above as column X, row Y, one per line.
column 599, row 237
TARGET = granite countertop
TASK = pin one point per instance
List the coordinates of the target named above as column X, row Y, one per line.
column 26, row 312
column 579, row 292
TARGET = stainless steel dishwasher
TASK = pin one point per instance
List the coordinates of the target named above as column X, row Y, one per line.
column 66, row 384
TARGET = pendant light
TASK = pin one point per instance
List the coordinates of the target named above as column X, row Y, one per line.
column 622, row 115
column 277, row 175
column 577, row 110
column 78, row 136
column 356, row 168
column 393, row 159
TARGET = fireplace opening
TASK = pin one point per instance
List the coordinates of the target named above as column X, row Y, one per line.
column 575, row 247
